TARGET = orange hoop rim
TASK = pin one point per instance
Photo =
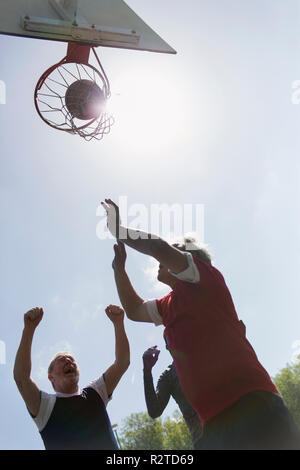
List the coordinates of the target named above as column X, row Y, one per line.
column 77, row 55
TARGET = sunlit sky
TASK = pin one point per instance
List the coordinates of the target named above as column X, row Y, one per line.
column 213, row 125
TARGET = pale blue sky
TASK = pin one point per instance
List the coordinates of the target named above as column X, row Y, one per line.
column 213, row 125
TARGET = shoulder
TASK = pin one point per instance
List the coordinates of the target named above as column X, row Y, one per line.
column 153, row 308
column 166, row 374
column 207, row 269
column 172, row 373
column 100, row 387
column 47, row 404
column 199, row 271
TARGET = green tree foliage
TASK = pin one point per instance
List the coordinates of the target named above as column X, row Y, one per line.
column 140, row 432
column 176, row 433
column 288, row 383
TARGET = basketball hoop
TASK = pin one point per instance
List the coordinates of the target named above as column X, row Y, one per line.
column 71, row 95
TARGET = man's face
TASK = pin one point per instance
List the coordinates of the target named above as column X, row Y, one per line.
column 65, row 374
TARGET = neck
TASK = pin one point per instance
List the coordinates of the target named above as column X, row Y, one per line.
column 72, row 388
column 170, row 282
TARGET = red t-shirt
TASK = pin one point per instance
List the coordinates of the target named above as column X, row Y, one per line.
column 215, row 362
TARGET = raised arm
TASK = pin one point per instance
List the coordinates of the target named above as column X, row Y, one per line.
column 145, row 243
column 22, row 368
column 156, row 401
column 122, row 352
column 133, row 305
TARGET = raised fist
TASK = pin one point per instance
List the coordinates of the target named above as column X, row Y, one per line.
column 33, row 317
column 115, row 313
column 150, row 357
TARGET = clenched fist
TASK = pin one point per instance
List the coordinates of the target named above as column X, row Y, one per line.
column 115, row 313
column 33, row 317
column 150, row 357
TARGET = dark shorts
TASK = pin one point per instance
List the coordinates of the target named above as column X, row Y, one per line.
column 257, row 421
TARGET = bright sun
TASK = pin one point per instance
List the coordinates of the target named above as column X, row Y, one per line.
column 149, row 111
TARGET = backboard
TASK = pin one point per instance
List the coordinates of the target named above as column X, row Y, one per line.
column 109, row 23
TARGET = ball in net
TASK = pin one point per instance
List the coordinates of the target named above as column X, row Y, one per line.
column 85, row 100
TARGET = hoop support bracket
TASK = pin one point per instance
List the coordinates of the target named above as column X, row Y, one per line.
column 78, row 53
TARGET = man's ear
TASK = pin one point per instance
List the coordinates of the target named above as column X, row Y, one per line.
column 51, row 378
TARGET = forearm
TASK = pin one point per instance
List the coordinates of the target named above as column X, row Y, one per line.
column 122, row 351
column 128, row 297
column 22, row 367
column 155, row 406
column 146, row 243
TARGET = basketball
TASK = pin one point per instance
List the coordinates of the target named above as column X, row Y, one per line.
column 84, row 100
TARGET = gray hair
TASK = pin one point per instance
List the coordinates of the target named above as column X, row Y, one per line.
column 51, row 365
column 190, row 244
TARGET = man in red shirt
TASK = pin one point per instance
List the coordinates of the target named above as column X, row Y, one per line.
column 219, row 372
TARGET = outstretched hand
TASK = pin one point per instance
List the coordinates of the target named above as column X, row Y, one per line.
column 115, row 314
column 150, row 357
column 113, row 217
column 33, row 317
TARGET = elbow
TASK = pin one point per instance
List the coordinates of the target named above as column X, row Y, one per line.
column 124, row 364
column 130, row 314
column 19, row 382
column 20, row 379
column 17, row 378
column 154, row 414
column 133, row 313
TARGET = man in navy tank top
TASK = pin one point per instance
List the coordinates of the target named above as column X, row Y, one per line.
column 71, row 418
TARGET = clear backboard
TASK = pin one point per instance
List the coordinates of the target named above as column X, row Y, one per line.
column 71, row 95
column 109, row 23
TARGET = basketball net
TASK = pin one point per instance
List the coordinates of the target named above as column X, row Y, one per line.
column 51, row 89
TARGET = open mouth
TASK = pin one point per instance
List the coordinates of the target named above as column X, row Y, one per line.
column 69, row 370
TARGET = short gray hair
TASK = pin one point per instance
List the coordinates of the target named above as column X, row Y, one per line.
column 62, row 353
column 190, row 245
